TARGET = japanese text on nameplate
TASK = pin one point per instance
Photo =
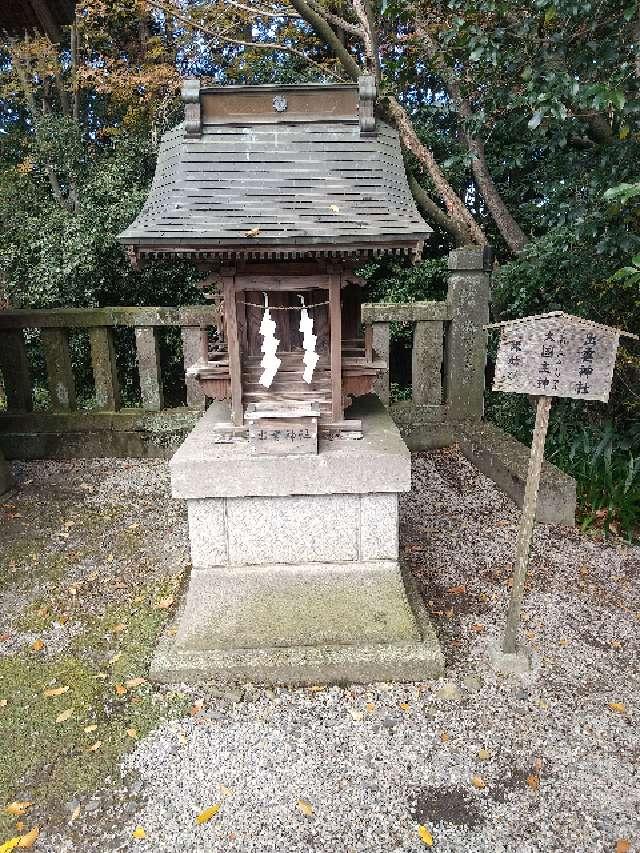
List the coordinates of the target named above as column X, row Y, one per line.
column 556, row 357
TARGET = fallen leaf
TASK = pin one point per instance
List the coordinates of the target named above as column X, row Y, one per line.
column 27, row 841
column 119, row 627
column 425, row 836
column 115, row 658
column 139, row 832
column 484, row 754
column 4, row 703
column 75, row 814
column 622, row 846
column 478, row 782
column 10, row 845
column 618, row 707
column 533, row 782
column 317, row 688
column 226, row 792
column 477, row 628
column 63, row 716
column 253, row 232
column 457, row 590
column 94, row 746
column 357, row 715
column 89, row 729
column 444, row 737
column 370, row 706
column 120, row 689
column 164, row 603
column 405, row 706
column 38, row 645
column 18, row 807
column 334, row 208
column 207, row 814
column 132, row 733
column 135, row 682
column 55, row 691
column 305, row 807
column 5, row 637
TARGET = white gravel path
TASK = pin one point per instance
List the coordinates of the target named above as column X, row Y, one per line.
column 560, row 767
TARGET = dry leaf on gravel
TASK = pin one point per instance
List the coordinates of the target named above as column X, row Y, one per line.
column 27, row 841
column 484, row 754
column 139, row 832
column 207, row 814
column 89, row 729
column 75, row 814
column 478, row 782
column 305, row 807
column 120, row 689
column 18, row 807
column 38, row 645
column 457, row 590
column 622, row 846
column 55, row 691
column 63, row 716
column 444, row 737
column 164, row 603
column 94, row 746
column 618, row 707
column 132, row 733
column 425, row 836
column 533, row 782
column 135, row 682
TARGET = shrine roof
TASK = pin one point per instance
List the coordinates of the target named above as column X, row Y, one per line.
column 271, row 172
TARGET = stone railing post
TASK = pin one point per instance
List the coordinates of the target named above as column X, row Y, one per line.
column 16, row 373
column 103, row 362
column 148, row 356
column 194, row 350
column 468, row 298
column 426, row 363
column 60, row 379
column 380, row 344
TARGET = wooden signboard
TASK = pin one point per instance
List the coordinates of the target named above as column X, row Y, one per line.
column 550, row 355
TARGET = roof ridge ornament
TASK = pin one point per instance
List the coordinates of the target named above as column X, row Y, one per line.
column 192, row 110
column 367, row 91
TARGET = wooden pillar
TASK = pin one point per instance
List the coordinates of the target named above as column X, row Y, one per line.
column 335, row 319
column 194, row 351
column 380, row 333
column 148, row 355
column 62, row 386
column 426, row 363
column 16, row 373
column 105, row 375
column 233, row 348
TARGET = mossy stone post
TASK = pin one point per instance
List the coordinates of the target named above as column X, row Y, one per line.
column 62, row 386
column 426, row 362
column 148, row 354
column 192, row 353
column 468, row 298
column 16, row 374
column 103, row 362
column 380, row 335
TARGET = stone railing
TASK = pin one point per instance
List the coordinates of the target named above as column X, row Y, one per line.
column 21, row 427
column 448, row 353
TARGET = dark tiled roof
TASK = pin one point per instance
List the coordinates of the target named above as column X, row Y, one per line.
column 306, row 186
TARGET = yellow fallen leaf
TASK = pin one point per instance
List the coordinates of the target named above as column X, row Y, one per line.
column 135, row 682
column 622, row 846
column 484, row 754
column 370, row 706
column 27, row 841
column 120, row 689
column 75, row 814
column 63, row 716
column 89, row 729
column 164, row 603
column 305, row 807
column 132, row 733
column 55, row 691
column 119, row 627
column 425, row 836
column 253, row 232
column 533, row 782
column 618, row 707
column 317, row 688
column 139, row 832
column 115, row 658
column 94, row 746
column 405, row 706
column 18, row 807
column 478, row 782
column 10, row 845
column 38, row 645
column 207, row 814
column 444, row 737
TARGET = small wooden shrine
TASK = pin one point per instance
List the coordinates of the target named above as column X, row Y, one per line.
column 280, row 193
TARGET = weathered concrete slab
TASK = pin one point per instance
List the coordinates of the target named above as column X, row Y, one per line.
column 380, row 462
column 410, row 660
column 505, row 460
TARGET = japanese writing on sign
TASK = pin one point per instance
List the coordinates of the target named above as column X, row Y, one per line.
column 556, row 356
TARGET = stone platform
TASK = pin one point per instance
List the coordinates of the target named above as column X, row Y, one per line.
column 295, row 573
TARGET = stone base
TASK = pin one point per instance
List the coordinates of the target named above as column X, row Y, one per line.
column 515, row 663
column 306, row 665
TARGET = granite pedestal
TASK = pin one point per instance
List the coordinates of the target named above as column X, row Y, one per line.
column 295, row 574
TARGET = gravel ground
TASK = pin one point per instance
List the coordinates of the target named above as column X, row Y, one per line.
column 542, row 762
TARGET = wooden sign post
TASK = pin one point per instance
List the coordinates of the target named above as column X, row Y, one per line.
column 551, row 355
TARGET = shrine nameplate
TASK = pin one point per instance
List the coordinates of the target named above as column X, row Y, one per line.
column 283, row 436
column 556, row 355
